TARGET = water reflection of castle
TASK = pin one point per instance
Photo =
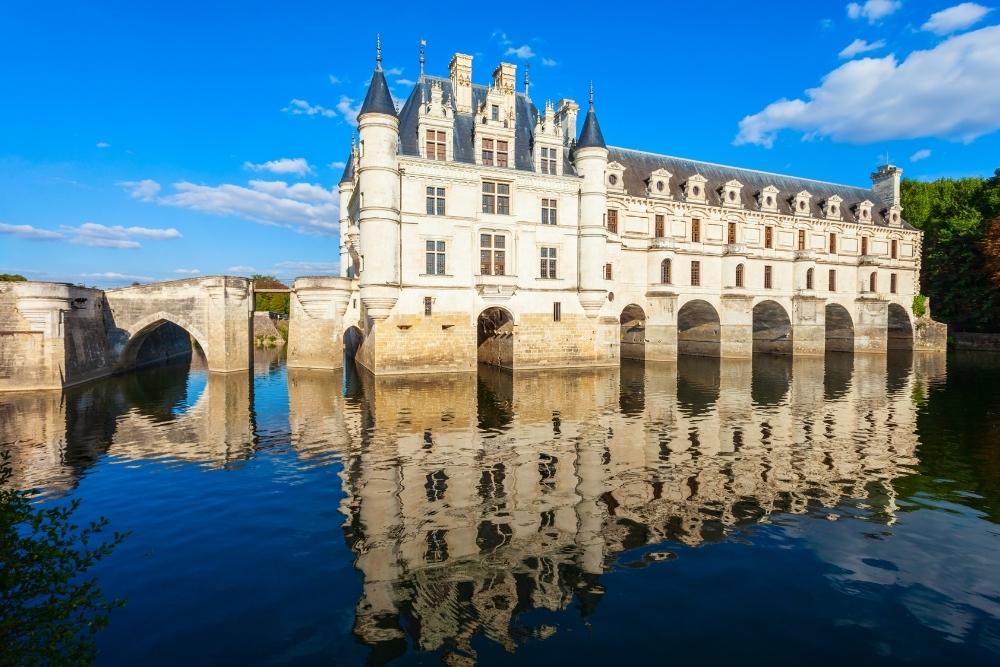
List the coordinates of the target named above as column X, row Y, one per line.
column 469, row 500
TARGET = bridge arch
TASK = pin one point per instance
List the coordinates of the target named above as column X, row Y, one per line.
column 900, row 328
column 140, row 331
column 495, row 337
column 838, row 328
column 772, row 328
column 633, row 332
column 699, row 329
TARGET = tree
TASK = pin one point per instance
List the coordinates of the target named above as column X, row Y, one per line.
column 50, row 612
column 991, row 251
column 12, row 278
column 274, row 302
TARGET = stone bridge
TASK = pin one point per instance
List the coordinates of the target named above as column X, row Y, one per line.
column 54, row 335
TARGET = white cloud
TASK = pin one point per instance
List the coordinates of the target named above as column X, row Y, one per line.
column 520, row 52
column 955, row 18
column 394, row 71
column 337, row 165
column 306, row 207
column 879, row 99
column 860, row 46
column 241, row 268
column 299, row 107
column 922, row 154
column 335, row 80
column 549, row 62
column 114, row 276
column 873, row 10
column 405, row 82
column 144, row 190
column 286, row 268
column 286, row 165
column 348, row 109
column 501, row 37
column 29, row 232
column 103, row 144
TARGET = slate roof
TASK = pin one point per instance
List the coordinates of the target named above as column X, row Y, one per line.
column 591, row 136
column 640, row 164
column 378, row 99
column 348, row 169
column 463, row 141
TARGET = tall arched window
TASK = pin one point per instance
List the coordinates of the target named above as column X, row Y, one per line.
column 665, row 272
column 739, row 275
column 872, row 281
column 809, row 278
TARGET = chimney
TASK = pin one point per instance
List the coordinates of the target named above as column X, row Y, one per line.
column 885, row 183
column 566, row 116
column 505, row 78
column 460, row 71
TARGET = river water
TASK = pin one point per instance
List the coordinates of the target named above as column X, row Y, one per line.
column 703, row 512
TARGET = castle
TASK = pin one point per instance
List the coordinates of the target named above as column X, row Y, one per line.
column 478, row 227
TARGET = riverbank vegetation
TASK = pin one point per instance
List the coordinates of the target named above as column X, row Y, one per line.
column 274, row 302
column 961, row 252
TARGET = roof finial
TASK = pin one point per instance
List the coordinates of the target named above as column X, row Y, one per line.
column 592, row 94
column 423, row 43
column 378, row 52
column 527, row 79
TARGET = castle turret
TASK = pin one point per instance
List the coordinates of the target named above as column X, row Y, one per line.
column 590, row 158
column 378, row 192
column 346, row 189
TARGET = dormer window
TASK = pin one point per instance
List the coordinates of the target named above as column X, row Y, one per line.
column 864, row 211
column 831, row 207
column 613, row 179
column 495, row 112
column 495, row 152
column 893, row 216
column 437, row 145
column 767, row 199
column 658, row 184
column 730, row 193
column 694, row 188
column 547, row 160
column 800, row 203
column 616, row 176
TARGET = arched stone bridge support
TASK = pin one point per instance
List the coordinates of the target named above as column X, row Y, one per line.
column 318, row 319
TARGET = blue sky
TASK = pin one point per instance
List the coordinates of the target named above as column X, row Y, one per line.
column 150, row 141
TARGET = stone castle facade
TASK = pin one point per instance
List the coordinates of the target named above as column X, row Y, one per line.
column 478, row 227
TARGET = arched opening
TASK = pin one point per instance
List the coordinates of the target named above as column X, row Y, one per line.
column 900, row 330
column 666, row 272
column 739, row 275
column 839, row 329
column 698, row 329
column 633, row 332
column 162, row 341
column 352, row 343
column 873, row 282
column 495, row 338
column 809, row 278
column 772, row 329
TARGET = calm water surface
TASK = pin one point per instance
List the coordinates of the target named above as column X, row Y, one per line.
column 700, row 512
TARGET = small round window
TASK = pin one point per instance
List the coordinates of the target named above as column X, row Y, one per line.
column 864, row 214
column 695, row 191
column 895, row 217
column 613, row 179
column 611, row 296
column 732, row 195
column 833, row 210
column 802, row 204
column 659, row 186
column 769, row 200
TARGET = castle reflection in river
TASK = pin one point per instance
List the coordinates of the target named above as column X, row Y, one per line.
column 472, row 498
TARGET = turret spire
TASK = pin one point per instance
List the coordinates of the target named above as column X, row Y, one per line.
column 423, row 43
column 378, row 99
column 527, row 80
column 378, row 52
column 590, row 135
column 591, row 94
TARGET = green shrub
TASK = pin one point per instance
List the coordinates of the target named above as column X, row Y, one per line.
column 919, row 305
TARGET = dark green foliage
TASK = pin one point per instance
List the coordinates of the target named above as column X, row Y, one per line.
column 12, row 278
column 954, row 214
column 919, row 305
column 273, row 302
column 50, row 611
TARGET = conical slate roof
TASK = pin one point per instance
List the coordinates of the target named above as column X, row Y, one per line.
column 349, row 169
column 590, row 136
column 378, row 99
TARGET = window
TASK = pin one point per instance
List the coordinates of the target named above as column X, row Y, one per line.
column 556, row 311
column 872, row 281
column 495, row 112
column 496, row 197
column 548, row 211
column 548, row 162
column 427, row 306
column 894, row 249
column 696, row 273
column 548, row 258
column 769, row 237
column 833, row 243
column 695, row 230
column 892, row 283
column 501, row 153
column 435, row 201
column 488, row 152
column 494, row 153
column 864, row 246
column 809, row 278
column 802, row 239
column 435, row 258
column 436, row 145
column 731, row 238
column 608, row 273
column 768, row 282
column 665, row 276
column 832, row 284
column 739, row 275
column 613, row 220
column 492, row 254
column 658, row 225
